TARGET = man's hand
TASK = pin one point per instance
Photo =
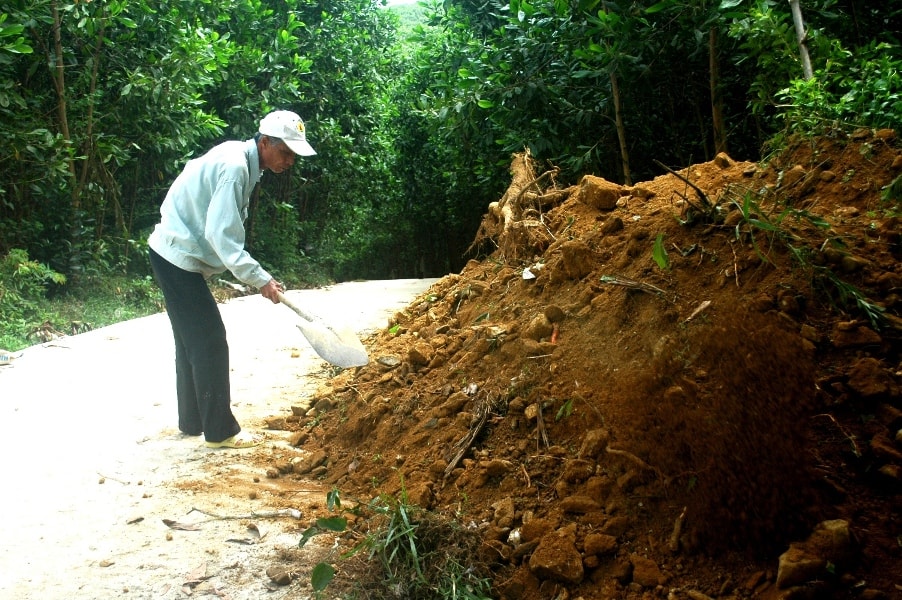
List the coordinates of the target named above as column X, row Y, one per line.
column 271, row 290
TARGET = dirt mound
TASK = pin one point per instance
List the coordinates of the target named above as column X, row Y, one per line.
column 658, row 387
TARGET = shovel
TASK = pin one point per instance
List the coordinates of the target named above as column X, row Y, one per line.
column 341, row 347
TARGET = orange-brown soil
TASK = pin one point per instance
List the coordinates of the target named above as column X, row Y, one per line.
column 654, row 390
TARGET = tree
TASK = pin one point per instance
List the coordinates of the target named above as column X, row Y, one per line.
column 802, row 38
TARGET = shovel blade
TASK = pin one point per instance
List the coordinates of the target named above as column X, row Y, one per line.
column 340, row 348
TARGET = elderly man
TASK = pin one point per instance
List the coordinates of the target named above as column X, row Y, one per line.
column 201, row 233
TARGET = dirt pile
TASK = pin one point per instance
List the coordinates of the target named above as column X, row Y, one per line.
column 685, row 388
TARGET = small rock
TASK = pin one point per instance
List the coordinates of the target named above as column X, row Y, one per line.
column 893, row 472
column 885, row 449
column 594, row 443
column 723, row 161
column 389, row 360
column 554, row 313
column 599, row 544
column 577, row 259
column 420, row 353
column 540, row 327
column 646, row 572
column 869, row 379
column 616, row 526
column 598, row 193
column 857, row 336
column 793, row 176
column 796, row 566
column 579, row 505
column 504, row 509
column 557, row 558
column 278, row 575
column 577, row 470
column 612, row 225
column 536, row 529
column 306, row 464
column 298, row 437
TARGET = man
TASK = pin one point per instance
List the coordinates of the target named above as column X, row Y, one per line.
column 201, row 233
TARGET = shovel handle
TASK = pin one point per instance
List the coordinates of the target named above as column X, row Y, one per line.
column 293, row 306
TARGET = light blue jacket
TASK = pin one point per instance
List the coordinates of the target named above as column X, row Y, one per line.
column 202, row 225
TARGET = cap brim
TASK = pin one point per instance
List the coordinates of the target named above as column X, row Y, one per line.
column 299, row 147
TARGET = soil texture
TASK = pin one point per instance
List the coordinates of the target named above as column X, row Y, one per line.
column 684, row 388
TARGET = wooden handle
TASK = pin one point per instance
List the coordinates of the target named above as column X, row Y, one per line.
column 293, row 307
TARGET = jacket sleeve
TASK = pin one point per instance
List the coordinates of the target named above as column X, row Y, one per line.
column 224, row 231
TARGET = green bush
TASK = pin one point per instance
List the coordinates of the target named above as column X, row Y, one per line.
column 23, row 282
column 863, row 89
column 23, row 286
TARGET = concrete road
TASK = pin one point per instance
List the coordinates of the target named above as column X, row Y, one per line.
column 90, row 449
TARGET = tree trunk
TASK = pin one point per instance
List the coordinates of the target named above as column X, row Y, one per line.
column 802, row 38
column 621, row 130
column 59, row 82
column 720, row 136
column 90, row 147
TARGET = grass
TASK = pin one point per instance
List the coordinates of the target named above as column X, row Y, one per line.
column 401, row 551
column 79, row 306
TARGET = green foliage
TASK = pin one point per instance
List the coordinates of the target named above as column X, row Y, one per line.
column 414, row 110
column 36, row 301
column 23, row 284
column 11, row 40
column 846, row 295
column 564, row 411
column 659, row 253
column 755, row 220
column 420, row 555
column 860, row 89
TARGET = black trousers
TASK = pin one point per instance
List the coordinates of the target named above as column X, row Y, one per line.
column 201, row 352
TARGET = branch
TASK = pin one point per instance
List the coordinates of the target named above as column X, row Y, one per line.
column 709, row 206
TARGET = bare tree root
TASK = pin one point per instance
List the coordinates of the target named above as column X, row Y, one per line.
column 482, row 411
column 635, row 459
column 514, row 225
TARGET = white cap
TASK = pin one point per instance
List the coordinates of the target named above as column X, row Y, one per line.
column 289, row 128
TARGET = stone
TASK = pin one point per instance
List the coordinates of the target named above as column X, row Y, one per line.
column 832, row 540
column 616, row 526
column 885, row 449
column 539, row 327
column 579, row 504
column 298, row 437
column 420, row 353
column 577, row 259
column 598, row 192
column 599, row 544
column 308, row 463
column 557, row 558
column 536, row 529
column 856, row 336
column 723, row 160
column 577, row 470
column 612, row 225
column 796, row 566
column 646, row 572
column 554, row 313
column 869, row 379
column 594, row 443
column 793, row 176
column 421, row 495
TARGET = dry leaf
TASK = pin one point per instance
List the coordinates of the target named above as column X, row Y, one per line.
column 181, row 526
